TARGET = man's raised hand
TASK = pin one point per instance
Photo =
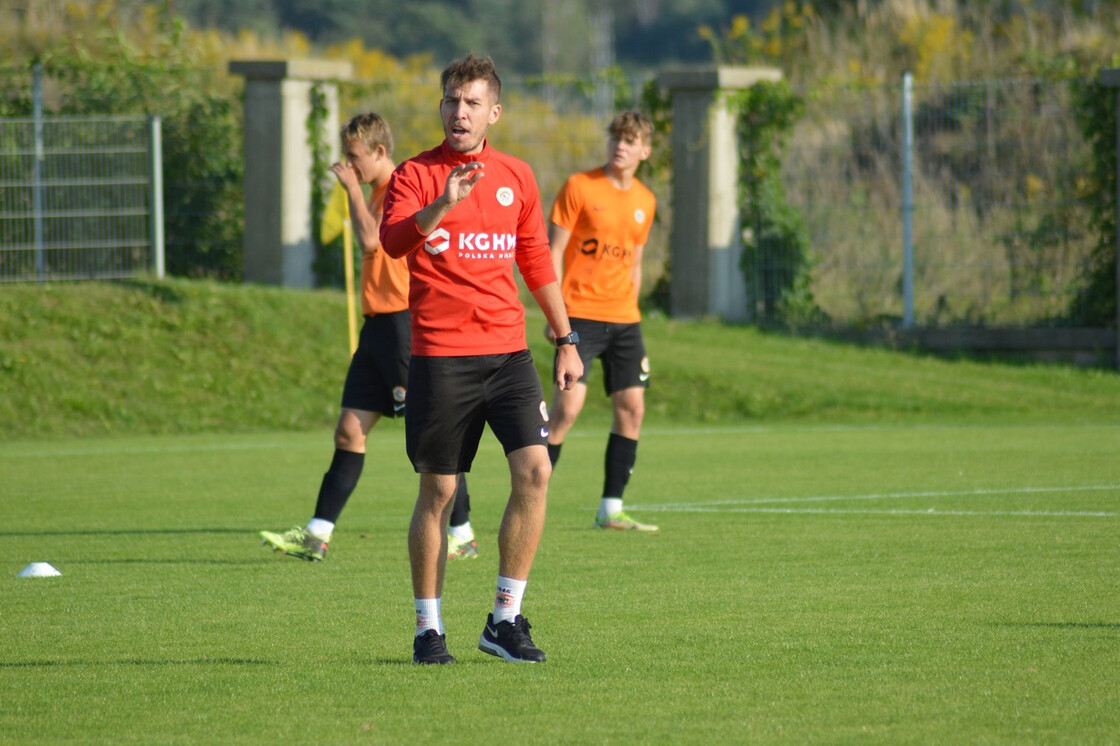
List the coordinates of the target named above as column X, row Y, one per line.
column 461, row 181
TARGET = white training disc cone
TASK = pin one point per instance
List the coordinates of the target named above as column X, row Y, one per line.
column 39, row 570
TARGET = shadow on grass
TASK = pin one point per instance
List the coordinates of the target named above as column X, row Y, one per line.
column 161, row 292
column 396, row 662
column 183, row 561
column 131, row 532
column 141, row 662
column 1062, row 625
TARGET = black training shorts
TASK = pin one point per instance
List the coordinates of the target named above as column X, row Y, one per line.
column 378, row 375
column 621, row 349
column 451, row 398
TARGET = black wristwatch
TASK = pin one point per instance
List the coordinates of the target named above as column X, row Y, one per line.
column 570, row 339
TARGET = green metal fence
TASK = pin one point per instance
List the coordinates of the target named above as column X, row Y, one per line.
column 80, row 198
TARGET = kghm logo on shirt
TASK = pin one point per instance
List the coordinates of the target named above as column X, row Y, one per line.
column 487, row 245
column 592, row 247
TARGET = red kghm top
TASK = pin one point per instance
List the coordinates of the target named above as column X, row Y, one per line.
column 462, row 292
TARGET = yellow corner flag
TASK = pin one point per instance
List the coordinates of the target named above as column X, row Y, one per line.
column 336, row 221
column 335, row 215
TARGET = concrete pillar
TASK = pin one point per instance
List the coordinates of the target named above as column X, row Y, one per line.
column 1111, row 79
column 278, row 247
column 705, row 239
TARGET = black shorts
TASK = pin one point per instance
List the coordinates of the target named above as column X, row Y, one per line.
column 621, row 349
column 451, row 398
column 378, row 375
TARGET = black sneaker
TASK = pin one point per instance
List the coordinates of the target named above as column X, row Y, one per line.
column 510, row 641
column 430, row 648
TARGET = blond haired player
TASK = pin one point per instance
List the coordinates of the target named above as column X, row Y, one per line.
column 598, row 229
column 378, row 376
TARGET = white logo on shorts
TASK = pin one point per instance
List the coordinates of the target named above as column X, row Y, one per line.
column 505, row 196
column 544, row 411
column 438, row 241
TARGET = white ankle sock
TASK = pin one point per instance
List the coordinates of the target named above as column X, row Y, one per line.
column 507, row 601
column 319, row 527
column 462, row 531
column 608, row 506
column 428, row 615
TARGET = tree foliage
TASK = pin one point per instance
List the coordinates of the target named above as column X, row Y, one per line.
column 1096, row 112
column 775, row 259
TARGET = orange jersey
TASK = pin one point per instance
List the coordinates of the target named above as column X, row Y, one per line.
column 607, row 224
column 384, row 279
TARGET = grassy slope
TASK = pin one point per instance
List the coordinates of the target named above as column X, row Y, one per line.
column 187, row 356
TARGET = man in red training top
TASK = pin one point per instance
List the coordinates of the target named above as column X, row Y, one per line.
column 463, row 213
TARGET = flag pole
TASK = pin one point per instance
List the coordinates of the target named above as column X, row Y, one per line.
column 348, row 264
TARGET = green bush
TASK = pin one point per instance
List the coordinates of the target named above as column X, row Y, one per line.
column 775, row 260
column 1095, row 305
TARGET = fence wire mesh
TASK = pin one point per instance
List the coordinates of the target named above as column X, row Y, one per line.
column 1000, row 233
column 75, row 198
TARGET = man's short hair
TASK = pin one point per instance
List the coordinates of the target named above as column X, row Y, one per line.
column 469, row 69
column 370, row 130
column 631, row 124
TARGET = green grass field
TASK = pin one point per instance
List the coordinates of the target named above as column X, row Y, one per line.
column 812, row 583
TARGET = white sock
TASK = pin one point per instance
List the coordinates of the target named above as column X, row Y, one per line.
column 608, row 506
column 319, row 527
column 428, row 615
column 462, row 531
column 507, row 601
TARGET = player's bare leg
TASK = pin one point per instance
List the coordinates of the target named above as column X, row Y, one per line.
column 427, row 533
column 566, row 406
column 523, row 521
column 506, row 634
column 427, row 555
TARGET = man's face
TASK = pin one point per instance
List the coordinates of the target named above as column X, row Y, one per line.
column 362, row 160
column 625, row 152
column 467, row 112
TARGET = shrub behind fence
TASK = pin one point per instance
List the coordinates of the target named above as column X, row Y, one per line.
column 1001, row 235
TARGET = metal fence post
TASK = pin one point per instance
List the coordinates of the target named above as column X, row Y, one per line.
column 907, row 200
column 1110, row 78
column 37, row 167
column 155, row 184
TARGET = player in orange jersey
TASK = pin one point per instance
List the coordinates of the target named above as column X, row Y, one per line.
column 599, row 226
column 378, row 376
